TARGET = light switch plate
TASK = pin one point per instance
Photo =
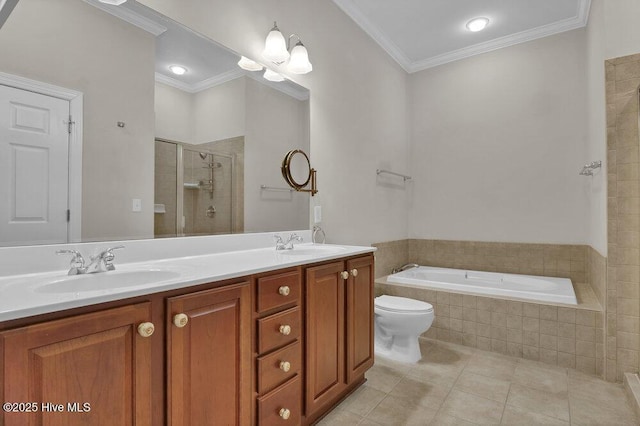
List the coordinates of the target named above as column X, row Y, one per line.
column 136, row 205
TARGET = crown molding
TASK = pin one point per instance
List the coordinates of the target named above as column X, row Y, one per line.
column 201, row 85
column 129, row 16
column 301, row 95
column 580, row 20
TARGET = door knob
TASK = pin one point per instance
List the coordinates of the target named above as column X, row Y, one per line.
column 344, row 275
column 354, row 272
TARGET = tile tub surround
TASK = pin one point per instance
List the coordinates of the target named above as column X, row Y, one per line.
column 623, row 272
column 459, row 385
column 569, row 337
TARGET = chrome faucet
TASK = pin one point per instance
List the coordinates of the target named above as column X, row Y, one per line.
column 101, row 262
column 405, row 267
column 77, row 262
column 288, row 245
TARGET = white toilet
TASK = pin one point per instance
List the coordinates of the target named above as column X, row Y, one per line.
column 399, row 322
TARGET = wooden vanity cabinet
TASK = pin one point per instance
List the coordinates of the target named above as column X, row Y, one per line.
column 209, row 357
column 100, row 358
column 277, row 348
column 339, row 331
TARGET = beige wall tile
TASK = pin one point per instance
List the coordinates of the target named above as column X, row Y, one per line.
column 531, row 352
column 484, row 317
column 567, row 315
column 566, row 330
column 455, row 299
column 566, row 345
column 514, row 335
column 584, row 317
column 586, row 349
column 628, row 340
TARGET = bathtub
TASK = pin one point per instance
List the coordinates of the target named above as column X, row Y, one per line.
column 527, row 287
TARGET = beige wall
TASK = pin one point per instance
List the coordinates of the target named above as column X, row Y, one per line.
column 56, row 41
column 219, row 113
column 358, row 105
column 275, row 125
column 497, row 143
column 174, row 114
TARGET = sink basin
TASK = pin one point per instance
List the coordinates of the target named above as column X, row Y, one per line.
column 312, row 250
column 103, row 281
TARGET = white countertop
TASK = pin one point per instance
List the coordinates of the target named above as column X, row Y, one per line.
column 25, row 295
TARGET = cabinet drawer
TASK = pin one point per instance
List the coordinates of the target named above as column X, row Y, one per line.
column 278, row 329
column 278, row 367
column 278, row 290
column 285, row 400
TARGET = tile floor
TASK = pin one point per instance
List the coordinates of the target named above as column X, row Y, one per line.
column 458, row 385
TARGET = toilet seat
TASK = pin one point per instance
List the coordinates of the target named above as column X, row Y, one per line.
column 402, row 305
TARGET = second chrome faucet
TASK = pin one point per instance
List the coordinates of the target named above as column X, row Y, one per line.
column 288, row 245
column 102, row 262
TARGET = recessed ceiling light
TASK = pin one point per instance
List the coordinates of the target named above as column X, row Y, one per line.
column 177, row 69
column 113, row 2
column 477, row 24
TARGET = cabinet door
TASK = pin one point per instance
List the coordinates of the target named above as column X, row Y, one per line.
column 359, row 317
column 209, row 358
column 324, row 371
column 97, row 359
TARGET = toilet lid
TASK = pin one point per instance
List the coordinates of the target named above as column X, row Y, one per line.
column 401, row 304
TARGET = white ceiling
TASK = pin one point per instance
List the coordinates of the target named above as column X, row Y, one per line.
column 208, row 63
column 421, row 34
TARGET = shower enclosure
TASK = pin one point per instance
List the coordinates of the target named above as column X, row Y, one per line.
column 196, row 190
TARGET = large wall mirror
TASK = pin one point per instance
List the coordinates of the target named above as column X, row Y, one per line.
column 147, row 153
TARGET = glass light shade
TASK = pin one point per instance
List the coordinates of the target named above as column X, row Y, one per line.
column 299, row 62
column 113, row 2
column 272, row 75
column 275, row 47
column 477, row 24
column 249, row 65
column 177, row 69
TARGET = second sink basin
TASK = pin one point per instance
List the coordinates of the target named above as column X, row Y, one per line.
column 104, row 281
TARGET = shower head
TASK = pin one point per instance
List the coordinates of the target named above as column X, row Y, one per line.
column 203, row 155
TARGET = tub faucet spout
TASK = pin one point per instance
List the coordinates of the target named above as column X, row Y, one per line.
column 405, row 267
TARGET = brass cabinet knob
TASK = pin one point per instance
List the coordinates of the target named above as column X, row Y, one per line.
column 284, row 290
column 146, row 329
column 344, row 275
column 180, row 320
column 285, row 330
column 285, row 366
column 285, row 413
column 354, row 272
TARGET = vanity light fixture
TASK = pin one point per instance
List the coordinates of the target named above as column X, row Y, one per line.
column 249, row 65
column 272, row 75
column 477, row 24
column 113, row 2
column 276, row 50
column 178, row 70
